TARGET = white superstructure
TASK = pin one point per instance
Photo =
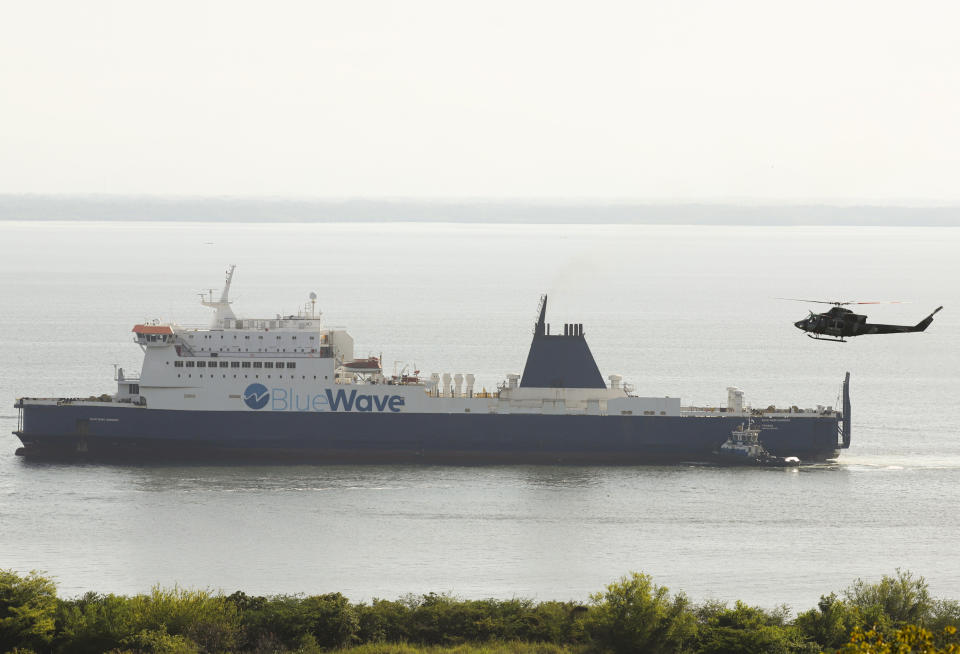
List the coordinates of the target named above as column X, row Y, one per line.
column 303, row 365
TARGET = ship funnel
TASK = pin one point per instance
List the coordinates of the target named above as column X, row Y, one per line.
column 513, row 380
column 446, row 384
column 458, row 384
column 560, row 361
column 470, row 379
column 615, row 382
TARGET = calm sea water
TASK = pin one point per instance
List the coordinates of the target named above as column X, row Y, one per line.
column 677, row 310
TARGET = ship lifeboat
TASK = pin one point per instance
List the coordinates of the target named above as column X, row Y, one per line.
column 370, row 364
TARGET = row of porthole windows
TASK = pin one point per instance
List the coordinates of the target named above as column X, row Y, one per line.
column 234, row 364
column 259, row 349
column 247, row 337
column 190, row 376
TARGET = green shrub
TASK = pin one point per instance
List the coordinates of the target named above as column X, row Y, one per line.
column 157, row 642
column 284, row 620
column 829, row 625
column 511, row 647
column 898, row 600
column 93, row 623
column 28, row 607
column 747, row 630
column 635, row 615
column 908, row 639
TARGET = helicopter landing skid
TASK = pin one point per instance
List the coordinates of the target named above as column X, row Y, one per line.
column 822, row 338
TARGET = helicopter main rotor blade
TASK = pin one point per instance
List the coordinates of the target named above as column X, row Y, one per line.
column 794, row 299
column 839, row 303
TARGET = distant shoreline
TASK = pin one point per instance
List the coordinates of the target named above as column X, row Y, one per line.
column 278, row 210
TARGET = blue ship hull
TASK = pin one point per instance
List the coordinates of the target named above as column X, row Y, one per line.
column 88, row 431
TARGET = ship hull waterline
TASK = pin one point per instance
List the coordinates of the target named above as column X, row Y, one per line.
column 136, row 433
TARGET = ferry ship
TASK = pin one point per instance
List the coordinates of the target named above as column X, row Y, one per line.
column 289, row 387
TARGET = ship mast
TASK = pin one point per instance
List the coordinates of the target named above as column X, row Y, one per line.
column 222, row 306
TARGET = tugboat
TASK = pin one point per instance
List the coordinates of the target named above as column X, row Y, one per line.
column 744, row 448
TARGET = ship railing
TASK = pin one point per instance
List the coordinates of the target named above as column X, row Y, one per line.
column 263, row 324
column 184, row 350
column 105, row 397
column 247, row 356
column 463, row 396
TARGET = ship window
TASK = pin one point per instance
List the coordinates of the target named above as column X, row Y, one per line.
column 257, row 364
column 245, row 364
column 201, row 364
column 268, row 364
column 178, row 364
column 291, row 364
column 234, row 364
column 134, row 389
column 312, row 338
column 246, row 338
column 294, row 338
column 190, row 364
column 260, row 337
column 224, row 364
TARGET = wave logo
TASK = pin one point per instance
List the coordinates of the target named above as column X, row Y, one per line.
column 256, row 396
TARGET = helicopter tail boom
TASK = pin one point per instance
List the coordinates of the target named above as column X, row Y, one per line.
column 872, row 328
column 923, row 324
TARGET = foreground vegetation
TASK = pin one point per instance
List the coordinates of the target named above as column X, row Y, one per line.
column 896, row 615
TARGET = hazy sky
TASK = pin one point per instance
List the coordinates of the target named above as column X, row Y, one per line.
column 651, row 101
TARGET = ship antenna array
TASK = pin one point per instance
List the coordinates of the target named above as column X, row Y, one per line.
column 541, row 315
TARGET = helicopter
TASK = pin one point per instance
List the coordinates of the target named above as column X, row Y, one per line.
column 839, row 323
